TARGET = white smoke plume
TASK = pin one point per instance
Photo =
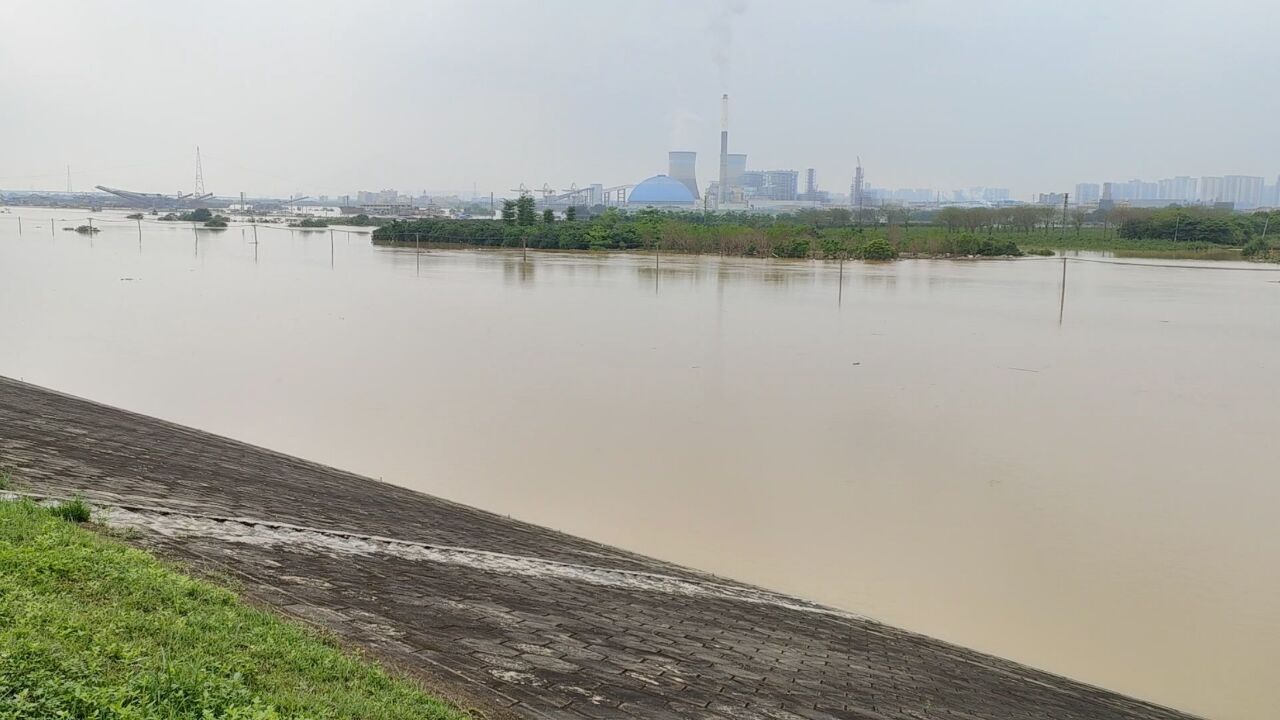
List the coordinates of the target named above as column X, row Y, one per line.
column 720, row 27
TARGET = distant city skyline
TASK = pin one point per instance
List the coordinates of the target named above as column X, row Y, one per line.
column 454, row 95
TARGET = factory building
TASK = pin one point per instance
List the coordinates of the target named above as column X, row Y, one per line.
column 777, row 185
column 661, row 191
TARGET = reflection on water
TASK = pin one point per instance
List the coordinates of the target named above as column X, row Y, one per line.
column 926, row 443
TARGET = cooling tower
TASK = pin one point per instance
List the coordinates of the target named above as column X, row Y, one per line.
column 680, row 166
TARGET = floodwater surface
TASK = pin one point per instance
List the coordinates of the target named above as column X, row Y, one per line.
column 927, row 444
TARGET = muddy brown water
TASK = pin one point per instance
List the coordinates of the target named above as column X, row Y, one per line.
column 927, row 446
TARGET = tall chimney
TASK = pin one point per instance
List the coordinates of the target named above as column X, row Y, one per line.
column 724, row 150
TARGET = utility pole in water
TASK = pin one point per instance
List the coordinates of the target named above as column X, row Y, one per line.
column 1066, row 197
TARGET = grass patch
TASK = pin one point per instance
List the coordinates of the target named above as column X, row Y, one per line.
column 6, row 479
column 1135, row 247
column 75, row 510
column 91, row 628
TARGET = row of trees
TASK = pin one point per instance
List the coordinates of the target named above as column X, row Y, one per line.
column 782, row 236
column 1019, row 218
column 1189, row 224
column 203, row 215
column 524, row 212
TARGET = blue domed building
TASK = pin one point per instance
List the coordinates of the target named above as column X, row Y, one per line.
column 661, row 191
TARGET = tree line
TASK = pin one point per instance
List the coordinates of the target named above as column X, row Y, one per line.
column 817, row 233
column 1194, row 224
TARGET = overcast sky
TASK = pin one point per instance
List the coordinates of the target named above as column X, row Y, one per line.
column 332, row 97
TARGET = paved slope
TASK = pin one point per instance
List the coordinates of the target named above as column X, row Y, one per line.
column 521, row 620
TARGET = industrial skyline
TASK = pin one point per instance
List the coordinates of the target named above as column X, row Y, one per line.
column 425, row 103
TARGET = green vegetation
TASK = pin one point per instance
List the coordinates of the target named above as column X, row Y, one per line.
column 360, row 220
column 548, row 216
column 134, row 216
column 202, row 215
column 6, row 479
column 90, row 628
column 1183, row 224
column 806, row 234
column 526, row 210
column 217, row 222
column 1024, row 219
column 836, row 232
column 87, row 229
column 878, row 249
column 1093, row 239
column 75, row 510
column 1259, row 248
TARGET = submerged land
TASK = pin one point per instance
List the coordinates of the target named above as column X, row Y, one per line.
column 516, row 619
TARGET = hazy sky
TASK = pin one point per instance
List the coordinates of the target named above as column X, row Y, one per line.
column 331, row 97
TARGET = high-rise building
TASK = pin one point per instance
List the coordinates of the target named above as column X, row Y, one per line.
column 1179, row 189
column 810, row 182
column 1243, row 190
column 681, row 166
column 1210, row 190
column 1134, row 190
column 735, row 165
column 858, row 188
column 1087, row 193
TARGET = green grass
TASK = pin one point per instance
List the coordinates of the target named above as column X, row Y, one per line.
column 91, row 628
column 1093, row 239
column 74, row 510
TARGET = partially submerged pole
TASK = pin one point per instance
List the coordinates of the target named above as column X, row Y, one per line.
column 1062, row 299
column 840, row 293
column 657, row 259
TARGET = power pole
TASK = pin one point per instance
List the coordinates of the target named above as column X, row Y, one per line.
column 1066, row 197
column 199, row 175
